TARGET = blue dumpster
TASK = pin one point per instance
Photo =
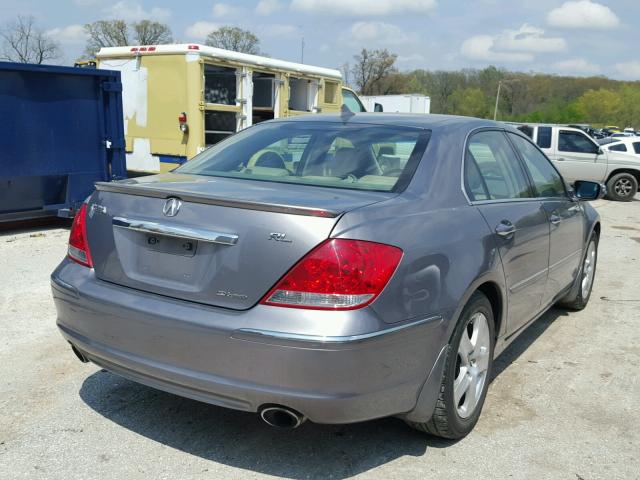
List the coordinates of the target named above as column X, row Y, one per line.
column 61, row 130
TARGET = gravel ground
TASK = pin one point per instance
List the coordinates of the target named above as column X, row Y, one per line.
column 563, row 404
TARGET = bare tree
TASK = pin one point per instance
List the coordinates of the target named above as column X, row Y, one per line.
column 345, row 69
column 24, row 43
column 118, row 33
column 234, row 38
column 371, row 68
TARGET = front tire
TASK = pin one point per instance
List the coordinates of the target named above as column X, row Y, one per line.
column 466, row 373
column 622, row 187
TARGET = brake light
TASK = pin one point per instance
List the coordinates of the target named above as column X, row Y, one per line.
column 193, row 47
column 339, row 274
column 182, row 122
column 78, row 249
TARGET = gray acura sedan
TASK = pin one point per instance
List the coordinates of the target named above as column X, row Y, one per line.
column 336, row 268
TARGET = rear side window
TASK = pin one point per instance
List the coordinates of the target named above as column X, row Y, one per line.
column 636, row 147
column 354, row 156
column 492, row 170
column 546, row 180
column 575, row 142
column 620, row 147
column 544, row 137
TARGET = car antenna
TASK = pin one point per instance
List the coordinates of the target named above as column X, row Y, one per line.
column 345, row 113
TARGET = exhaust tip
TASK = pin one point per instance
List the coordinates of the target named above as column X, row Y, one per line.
column 282, row 417
column 79, row 354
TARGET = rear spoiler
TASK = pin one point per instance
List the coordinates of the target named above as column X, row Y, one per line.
column 147, row 191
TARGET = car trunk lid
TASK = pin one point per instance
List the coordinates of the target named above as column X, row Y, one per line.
column 222, row 242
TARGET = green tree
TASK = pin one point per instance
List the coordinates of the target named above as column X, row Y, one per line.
column 470, row 102
column 234, row 38
column 148, row 32
column 599, row 106
column 629, row 112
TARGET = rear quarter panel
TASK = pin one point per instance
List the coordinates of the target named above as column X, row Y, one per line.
column 448, row 248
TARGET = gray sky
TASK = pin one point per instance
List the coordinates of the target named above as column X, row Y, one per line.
column 577, row 37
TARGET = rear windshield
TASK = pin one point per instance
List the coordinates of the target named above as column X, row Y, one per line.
column 354, row 156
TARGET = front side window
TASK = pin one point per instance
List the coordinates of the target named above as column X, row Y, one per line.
column 618, row 147
column 317, row 153
column 546, row 180
column 636, row 147
column 575, row 142
column 492, row 170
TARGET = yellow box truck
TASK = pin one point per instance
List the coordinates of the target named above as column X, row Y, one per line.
column 179, row 99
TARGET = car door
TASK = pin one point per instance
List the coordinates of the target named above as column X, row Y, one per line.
column 564, row 214
column 578, row 158
column 497, row 185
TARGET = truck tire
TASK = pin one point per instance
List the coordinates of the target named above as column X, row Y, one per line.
column 622, row 187
column 458, row 411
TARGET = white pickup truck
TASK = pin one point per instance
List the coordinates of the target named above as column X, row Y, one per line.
column 578, row 157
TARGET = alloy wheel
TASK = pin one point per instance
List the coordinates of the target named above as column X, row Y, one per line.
column 588, row 269
column 623, row 187
column 472, row 364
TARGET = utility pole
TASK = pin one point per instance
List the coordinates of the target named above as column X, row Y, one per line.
column 302, row 51
column 495, row 110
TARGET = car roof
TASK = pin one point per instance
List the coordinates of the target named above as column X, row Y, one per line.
column 416, row 120
column 625, row 140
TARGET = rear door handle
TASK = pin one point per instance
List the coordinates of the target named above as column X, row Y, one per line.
column 555, row 219
column 505, row 229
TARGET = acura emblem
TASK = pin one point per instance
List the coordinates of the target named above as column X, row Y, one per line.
column 172, row 207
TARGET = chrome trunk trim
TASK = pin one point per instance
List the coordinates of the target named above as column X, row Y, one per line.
column 176, row 231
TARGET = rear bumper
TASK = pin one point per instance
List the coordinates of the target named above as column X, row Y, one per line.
column 240, row 359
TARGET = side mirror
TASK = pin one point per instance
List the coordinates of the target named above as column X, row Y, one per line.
column 585, row 190
column 377, row 107
column 600, row 151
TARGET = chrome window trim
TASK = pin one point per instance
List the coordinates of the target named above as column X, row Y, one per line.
column 464, row 159
column 522, row 160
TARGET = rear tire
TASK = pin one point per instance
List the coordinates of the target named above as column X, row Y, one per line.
column 578, row 300
column 469, row 362
column 622, row 187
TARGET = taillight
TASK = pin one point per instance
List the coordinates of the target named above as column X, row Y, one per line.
column 182, row 122
column 339, row 274
column 78, row 249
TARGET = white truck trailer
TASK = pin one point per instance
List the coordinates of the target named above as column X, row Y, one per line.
column 407, row 103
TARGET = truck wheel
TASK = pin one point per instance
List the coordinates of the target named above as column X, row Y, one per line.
column 622, row 187
column 467, row 372
column 579, row 299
